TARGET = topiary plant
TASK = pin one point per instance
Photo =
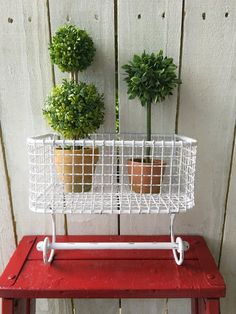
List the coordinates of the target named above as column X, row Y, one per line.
column 74, row 110
column 150, row 77
column 72, row 50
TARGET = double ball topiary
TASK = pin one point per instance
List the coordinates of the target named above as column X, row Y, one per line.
column 74, row 110
column 72, row 49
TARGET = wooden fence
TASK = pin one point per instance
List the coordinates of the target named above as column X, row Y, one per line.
column 201, row 36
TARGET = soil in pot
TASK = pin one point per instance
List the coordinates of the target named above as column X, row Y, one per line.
column 145, row 177
column 75, row 168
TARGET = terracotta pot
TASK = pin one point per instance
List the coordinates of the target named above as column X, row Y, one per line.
column 145, row 177
column 75, row 171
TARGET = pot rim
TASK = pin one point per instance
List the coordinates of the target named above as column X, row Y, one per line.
column 93, row 148
column 138, row 161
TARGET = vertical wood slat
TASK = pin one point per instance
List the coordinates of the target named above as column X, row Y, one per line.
column 207, row 112
column 207, row 94
column 25, row 79
column 97, row 18
column 7, row 239
column 149, row 27
column 143, row 27
column 228, row 255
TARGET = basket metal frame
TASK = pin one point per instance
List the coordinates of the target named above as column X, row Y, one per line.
column 182, row 144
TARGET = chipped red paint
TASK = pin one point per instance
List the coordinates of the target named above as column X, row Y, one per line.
column 114, row 274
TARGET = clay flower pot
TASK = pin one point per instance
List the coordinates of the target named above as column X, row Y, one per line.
column 145, row 177
column 75, row 168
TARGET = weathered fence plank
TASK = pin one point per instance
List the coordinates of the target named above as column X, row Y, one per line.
column 149, row 27
column 142, row 26
column 228, row 256
column 97, row 18
column 25, row 80
column 207, row 111
column 7, row 239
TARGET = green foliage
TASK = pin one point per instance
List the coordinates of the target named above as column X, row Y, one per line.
column 74, row 110
column 71, row 49
column 150, row 77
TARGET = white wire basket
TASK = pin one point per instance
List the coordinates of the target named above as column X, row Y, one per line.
column 98, row 176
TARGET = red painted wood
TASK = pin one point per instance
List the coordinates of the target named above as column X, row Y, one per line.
column 212, row 306
column 115, row 274
column 207, row 263
column 7, row 306
column 17, row 261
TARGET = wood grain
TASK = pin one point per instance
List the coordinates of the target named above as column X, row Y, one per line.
column 25, row 73
column 207, row 110
column 146, row 27
column 7, row 239
column 97, row 18
column 228, row 257
column 143, row 27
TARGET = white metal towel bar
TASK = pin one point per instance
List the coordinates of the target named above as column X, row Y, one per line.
column 178, row 247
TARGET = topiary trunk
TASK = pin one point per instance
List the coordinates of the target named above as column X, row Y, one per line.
column 149, row 130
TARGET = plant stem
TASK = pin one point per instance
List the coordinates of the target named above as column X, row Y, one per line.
column 149, row 129
column 71, row 76
column 76, row 76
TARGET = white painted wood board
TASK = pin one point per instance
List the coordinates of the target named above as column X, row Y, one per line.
column 207, row 110
column 25, row 81
column 146, row 27
column 228, row 257
column 7, row 239
column 97, row 18
column 25, row 74
column 142, row 27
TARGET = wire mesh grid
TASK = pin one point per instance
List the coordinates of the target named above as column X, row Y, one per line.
column 110, row 173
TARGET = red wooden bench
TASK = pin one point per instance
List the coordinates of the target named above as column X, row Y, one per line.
column 112, row 274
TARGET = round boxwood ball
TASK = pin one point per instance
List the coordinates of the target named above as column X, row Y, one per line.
column 150, row 77
column 74, row 110
column 72, row 49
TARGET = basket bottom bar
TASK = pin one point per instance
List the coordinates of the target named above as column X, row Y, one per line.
column 112, row 246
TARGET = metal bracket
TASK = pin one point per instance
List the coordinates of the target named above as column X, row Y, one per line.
column 178, row 247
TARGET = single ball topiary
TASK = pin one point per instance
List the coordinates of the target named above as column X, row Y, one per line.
column 72, row 49
column 150, row 77
column 74, row 110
